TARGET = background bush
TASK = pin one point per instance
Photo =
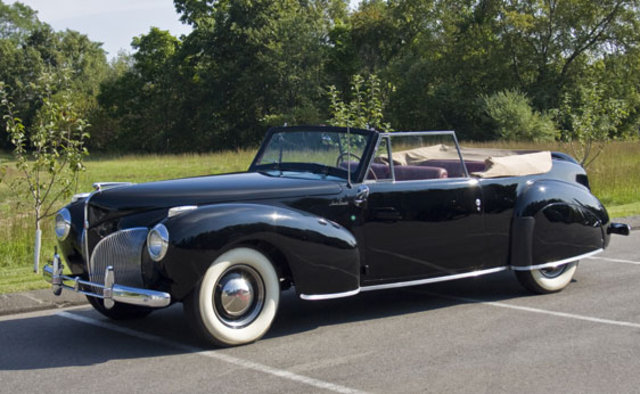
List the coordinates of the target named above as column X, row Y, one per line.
column 514, row 119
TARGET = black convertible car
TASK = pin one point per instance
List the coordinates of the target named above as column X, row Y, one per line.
column 333, row 212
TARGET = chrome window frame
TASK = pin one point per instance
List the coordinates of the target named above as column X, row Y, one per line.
column 388, row 136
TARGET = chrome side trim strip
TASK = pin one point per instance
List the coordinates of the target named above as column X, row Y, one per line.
column 418, row 282
column 445, row 278
column 318, row 297
column 556, row 263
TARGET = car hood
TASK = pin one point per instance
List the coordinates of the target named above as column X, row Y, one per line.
column 247, row 186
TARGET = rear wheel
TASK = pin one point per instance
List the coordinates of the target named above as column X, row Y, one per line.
column 548, row 280
column 236, row 300
column 119, row 311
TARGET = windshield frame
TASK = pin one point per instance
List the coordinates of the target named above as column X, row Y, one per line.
column 357, row 173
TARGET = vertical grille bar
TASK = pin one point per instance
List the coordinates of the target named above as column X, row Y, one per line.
column 123, row 251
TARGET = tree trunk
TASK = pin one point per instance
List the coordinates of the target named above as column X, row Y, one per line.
column 36, row 249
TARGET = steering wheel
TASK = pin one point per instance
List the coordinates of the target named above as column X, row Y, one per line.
column 344, row 155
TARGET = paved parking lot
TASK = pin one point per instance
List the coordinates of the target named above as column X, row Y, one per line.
column 476, row 335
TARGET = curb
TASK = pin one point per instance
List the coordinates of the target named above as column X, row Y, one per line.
column 38, row 300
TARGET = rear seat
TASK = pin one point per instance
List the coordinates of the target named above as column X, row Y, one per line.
column 380, row 170
column 404, row 173
column 454, row 168
column 412, row 173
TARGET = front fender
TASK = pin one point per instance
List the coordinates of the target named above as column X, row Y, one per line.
column 322, row 256
column 555, row 221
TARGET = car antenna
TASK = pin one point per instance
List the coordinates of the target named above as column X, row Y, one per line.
column 348, row 156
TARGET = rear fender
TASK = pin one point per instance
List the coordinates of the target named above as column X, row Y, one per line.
column 556, row 222
column 322, row 256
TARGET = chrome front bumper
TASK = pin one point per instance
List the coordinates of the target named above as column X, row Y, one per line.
column 110, row 292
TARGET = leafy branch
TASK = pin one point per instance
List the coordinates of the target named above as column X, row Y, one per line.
column 590, row 120
column 365, row 109
column 49, row 152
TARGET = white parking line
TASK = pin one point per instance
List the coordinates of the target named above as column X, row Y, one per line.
column 614, row 260
column 541, row 311
column 212, row 354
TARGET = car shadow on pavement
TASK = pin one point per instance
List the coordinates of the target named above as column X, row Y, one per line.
column 296, row 315
column 56, row 341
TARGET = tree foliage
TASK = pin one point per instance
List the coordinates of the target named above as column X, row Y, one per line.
column 250, row 64
column 515, row 120
column 49, row 152
column 591, row 121
column 365, row 109
column 29, row 48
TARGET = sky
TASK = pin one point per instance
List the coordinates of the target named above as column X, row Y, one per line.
column 113, row 23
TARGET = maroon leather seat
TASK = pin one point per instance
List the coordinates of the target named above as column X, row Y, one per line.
column 454, row 167
column 381, row 171
column 475, row 166
column 412, row 173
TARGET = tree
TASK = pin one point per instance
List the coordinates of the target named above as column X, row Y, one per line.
column 365, row 108
column 250, row 64
column 448, row 54
column 29, row 47
column 49, row 153
column 143, row 99
column 590, row 119
column 551, row 42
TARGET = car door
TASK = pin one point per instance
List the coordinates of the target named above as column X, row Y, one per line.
column 422, row 218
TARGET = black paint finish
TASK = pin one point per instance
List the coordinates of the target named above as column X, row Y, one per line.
column 423, row 228
column 322, row 241
column 322, row 256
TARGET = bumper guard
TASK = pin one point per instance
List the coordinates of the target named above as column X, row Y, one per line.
column 110, row 292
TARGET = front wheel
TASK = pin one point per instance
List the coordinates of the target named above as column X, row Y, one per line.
column 548, row 280
column 236, row 300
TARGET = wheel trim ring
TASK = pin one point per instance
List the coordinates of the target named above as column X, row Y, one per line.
column 239, row 318
column 552, row 273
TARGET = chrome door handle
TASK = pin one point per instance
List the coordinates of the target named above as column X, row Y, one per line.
column 361, row 195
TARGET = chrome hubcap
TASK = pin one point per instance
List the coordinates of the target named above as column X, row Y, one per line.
column 236, row 294
column 239, row 296
column 553, row 272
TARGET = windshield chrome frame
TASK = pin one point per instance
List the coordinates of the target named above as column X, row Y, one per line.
column 353, row 178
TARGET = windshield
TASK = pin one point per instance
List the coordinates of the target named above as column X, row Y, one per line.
column 332, row 152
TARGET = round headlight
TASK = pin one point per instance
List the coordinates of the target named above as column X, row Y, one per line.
column 63, row 224
column 158, row 242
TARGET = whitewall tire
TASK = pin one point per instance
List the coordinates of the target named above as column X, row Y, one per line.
column 237, row 299
column 548, row 280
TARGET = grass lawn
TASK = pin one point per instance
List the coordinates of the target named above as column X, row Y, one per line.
column 614, row 177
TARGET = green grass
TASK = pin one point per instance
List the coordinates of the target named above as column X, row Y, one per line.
column 614, row 177
column 16, row 223
column 619, row 211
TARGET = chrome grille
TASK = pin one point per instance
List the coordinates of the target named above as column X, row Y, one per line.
column 123, row 251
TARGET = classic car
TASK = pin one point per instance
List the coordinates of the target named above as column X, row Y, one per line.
column 332, row 212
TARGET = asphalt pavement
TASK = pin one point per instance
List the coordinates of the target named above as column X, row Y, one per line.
column 480, row 335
